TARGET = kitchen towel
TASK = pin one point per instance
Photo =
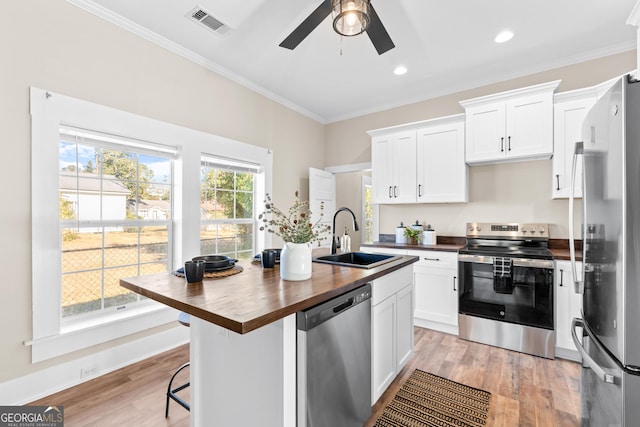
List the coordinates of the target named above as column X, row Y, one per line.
column 502, row 279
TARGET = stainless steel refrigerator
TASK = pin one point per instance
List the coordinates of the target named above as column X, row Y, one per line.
column 608, row 335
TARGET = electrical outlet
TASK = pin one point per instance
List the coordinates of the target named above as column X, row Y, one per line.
column 87, row 372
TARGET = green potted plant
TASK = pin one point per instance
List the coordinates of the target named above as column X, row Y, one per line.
column 414, row 235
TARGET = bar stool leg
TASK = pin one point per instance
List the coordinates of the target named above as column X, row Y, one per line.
column 171, row 393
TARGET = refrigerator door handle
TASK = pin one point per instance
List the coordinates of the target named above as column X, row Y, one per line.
column 577, row 284
column 586, row 359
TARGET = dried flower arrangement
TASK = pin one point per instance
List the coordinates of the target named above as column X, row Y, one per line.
column 294, row 226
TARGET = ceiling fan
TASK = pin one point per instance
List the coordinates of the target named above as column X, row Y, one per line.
column 350, row 18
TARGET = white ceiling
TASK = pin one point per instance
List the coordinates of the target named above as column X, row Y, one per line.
column 447, row 46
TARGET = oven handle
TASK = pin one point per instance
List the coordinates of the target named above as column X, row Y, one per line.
column 517, row 262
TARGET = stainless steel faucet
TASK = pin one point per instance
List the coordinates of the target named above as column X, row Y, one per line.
column 334, row 238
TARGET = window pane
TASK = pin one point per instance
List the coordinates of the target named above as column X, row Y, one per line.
column 244, row 181
column 226, row 180
column 81, row 249
column 245, row 241
column 225, row 201
column 154, row 246
column 114, row 294
column 81, row 292
column 244, row 205
column 209, row 239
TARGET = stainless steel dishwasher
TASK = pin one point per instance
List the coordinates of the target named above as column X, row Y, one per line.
column 334, row 361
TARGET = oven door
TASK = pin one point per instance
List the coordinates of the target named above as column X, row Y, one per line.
column 514, row 290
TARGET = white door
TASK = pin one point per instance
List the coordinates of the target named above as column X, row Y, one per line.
column 322, row 191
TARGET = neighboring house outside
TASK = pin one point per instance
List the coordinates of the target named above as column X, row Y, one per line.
column 92, row 196
column 151, row 209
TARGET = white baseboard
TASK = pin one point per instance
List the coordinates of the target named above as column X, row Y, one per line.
column 37, row 385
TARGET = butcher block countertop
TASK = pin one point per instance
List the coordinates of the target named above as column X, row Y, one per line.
column 256, row 297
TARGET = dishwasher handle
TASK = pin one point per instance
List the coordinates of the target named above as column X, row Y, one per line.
column 338, row 308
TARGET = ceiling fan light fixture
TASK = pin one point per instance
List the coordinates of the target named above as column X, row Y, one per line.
column 350, row 17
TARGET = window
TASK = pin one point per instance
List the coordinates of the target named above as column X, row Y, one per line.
column 115, row 219
column 115, row 194
column 369, row 212
column 227, row 204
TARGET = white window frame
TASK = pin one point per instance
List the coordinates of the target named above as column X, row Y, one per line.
column 50, row 338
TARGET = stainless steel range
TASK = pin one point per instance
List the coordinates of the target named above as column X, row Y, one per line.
column 506, row 287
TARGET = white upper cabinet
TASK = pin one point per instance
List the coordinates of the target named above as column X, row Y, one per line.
column 569, row 111
column 394, row 167
column 420, row 162
column 442, row 174
column 510, row 126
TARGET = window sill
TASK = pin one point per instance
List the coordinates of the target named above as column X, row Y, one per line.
column 84, row 334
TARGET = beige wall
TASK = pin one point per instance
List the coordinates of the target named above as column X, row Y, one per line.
column 525, row 193
column 57, row 46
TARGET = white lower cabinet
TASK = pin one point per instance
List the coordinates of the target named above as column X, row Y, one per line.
column 568, row 304
column 391, row 328
column 436, row 290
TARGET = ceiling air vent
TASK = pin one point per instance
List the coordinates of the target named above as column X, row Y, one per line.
column 207, row 20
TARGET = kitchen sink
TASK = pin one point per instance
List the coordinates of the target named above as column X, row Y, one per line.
column 356, row 259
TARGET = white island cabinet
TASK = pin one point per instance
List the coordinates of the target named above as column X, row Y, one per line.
column 391, row 328
column 510, row 126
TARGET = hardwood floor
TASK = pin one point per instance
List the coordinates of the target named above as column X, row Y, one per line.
column 525, row 390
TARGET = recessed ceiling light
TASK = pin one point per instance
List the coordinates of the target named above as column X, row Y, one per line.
column 400, row 70
column 504, row 36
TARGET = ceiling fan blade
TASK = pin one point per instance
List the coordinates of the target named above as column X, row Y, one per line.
column 308, row 25
column 378, row 34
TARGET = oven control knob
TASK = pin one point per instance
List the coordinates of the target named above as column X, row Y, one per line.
column 478, row 229
column 524, row 230
column 471, row 229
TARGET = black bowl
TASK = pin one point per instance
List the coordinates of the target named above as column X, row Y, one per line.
column 215, row 261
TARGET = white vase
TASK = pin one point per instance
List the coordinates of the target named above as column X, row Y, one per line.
column 295, row 261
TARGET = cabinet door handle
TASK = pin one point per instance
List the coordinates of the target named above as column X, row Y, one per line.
column 390, row 196
column 454, row 283
column 419, row 190
column 509, row 143
column 561, row 277
column 395, row 191
column 557, row 182
column 502, row 144
column 431, row 259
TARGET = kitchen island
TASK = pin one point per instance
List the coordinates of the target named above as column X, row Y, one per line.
column 243, row 335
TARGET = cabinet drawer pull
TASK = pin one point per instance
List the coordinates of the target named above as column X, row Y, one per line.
column 390, row 196
column 557, row 182
column 431, row 259
column 454, row 283
column 419, row 190
column 502, row 144
column 561, row 277
column 395, row 191
column 509, row 143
